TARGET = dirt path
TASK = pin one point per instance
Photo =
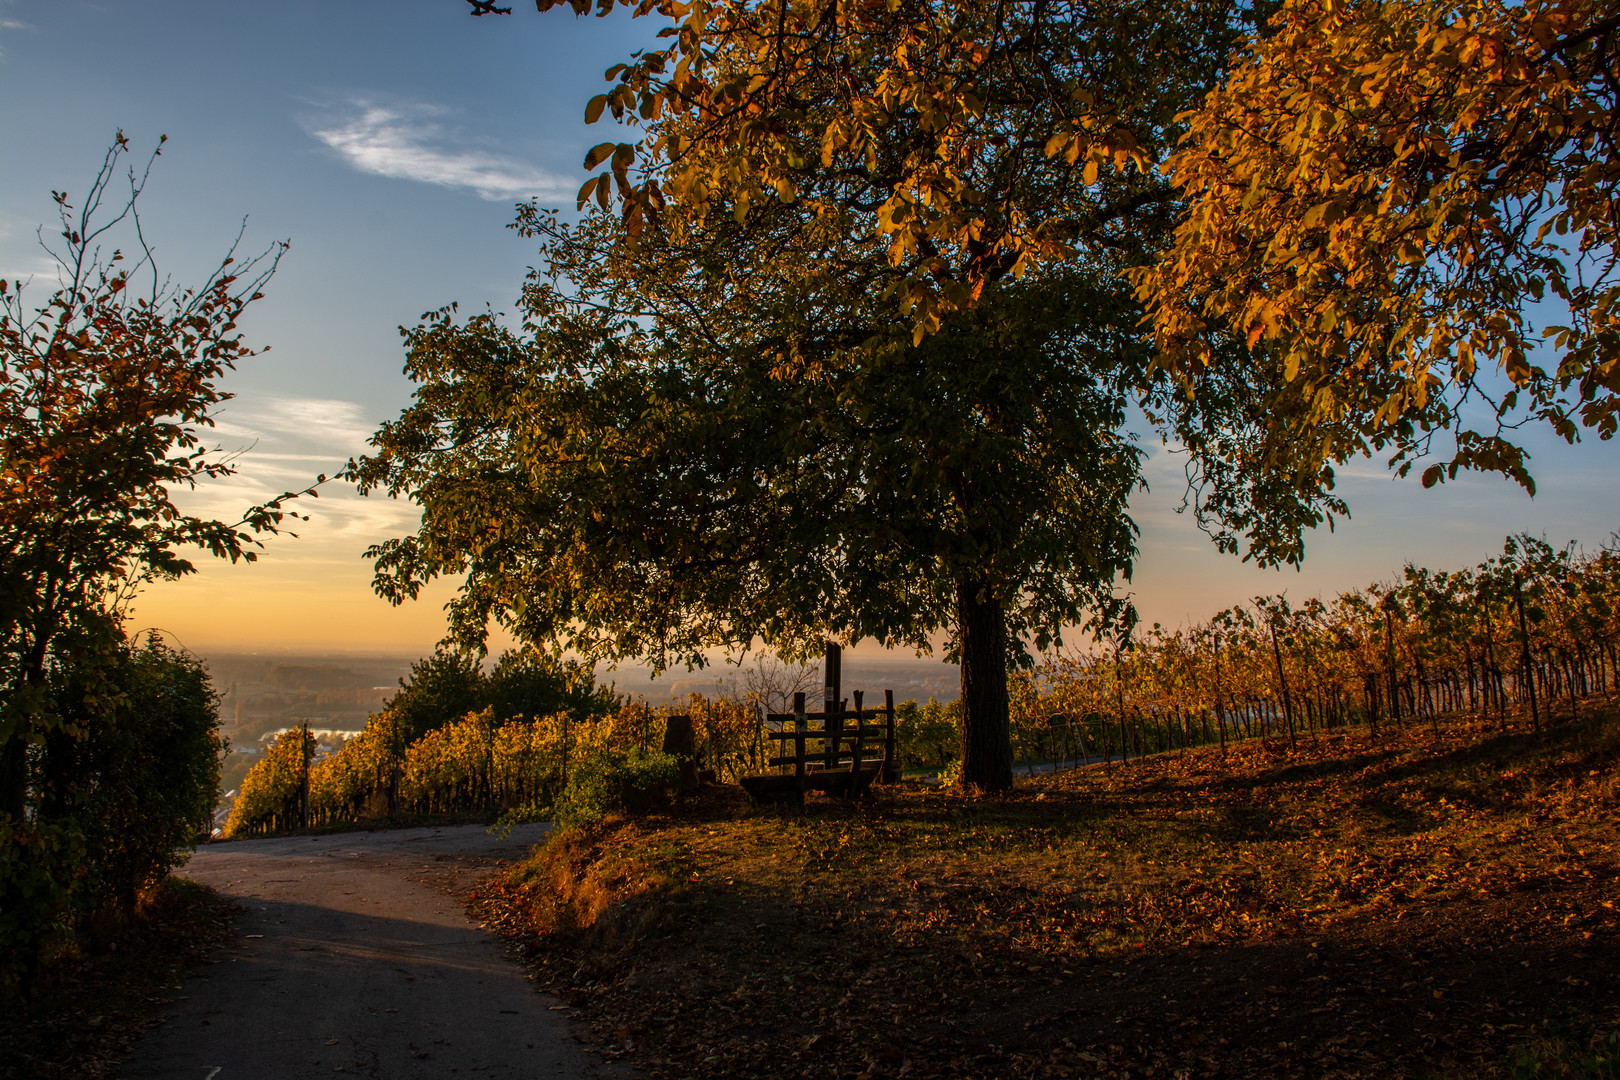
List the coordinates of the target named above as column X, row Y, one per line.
column 353, row 962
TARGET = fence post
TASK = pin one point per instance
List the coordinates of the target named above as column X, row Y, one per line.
column 800, row 723
column 891, row 761
column 859, row 750
column 303, row 787
column 832, row 722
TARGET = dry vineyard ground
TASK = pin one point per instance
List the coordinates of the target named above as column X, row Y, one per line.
column 1440, row 903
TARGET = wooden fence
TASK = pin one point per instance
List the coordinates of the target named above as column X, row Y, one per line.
column 839, row 749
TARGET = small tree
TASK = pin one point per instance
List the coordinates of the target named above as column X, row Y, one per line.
column 524, row 684
column 441, row 689
column 770, row 683
column 105, row 391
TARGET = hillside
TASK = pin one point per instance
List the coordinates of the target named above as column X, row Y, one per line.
column 1439, row 903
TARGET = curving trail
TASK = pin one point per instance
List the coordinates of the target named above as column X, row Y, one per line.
column 349, row 964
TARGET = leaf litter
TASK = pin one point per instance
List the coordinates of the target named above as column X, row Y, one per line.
column 89, row 1007
column 1439, row 903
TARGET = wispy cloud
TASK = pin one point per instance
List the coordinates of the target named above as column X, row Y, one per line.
column 341, row 424
column 281, row 443
column 414, row 141
column 10, row 24
column 289, row 426
column 40, row 271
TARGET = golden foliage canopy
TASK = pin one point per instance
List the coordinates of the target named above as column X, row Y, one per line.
column 976, row 140
column 1378, row 190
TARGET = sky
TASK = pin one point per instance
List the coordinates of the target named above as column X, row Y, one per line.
column 389, row 142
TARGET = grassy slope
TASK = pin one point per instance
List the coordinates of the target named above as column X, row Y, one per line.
column 1439, row 903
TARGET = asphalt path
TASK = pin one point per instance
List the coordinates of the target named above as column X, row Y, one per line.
column 1041, row 768
column 351, row 961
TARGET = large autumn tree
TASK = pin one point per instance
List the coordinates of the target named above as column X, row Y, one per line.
column 719, row 440
column 749, row 445
column 670, row 459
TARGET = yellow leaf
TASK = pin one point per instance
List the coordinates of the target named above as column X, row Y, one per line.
column 599, row 153
column 585, row 192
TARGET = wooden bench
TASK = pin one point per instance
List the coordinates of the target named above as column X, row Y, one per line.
column 854, row 748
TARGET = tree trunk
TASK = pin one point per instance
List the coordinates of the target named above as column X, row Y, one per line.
column 14, row 751
column 986, row 728
column 14, row 777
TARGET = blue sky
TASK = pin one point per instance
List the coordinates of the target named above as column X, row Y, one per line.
column 388, row 142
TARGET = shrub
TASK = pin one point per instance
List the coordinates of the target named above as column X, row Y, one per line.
column 39, row 866
column 928, row 735
column 120, row 791
column 155, row 771
column 614, row 779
